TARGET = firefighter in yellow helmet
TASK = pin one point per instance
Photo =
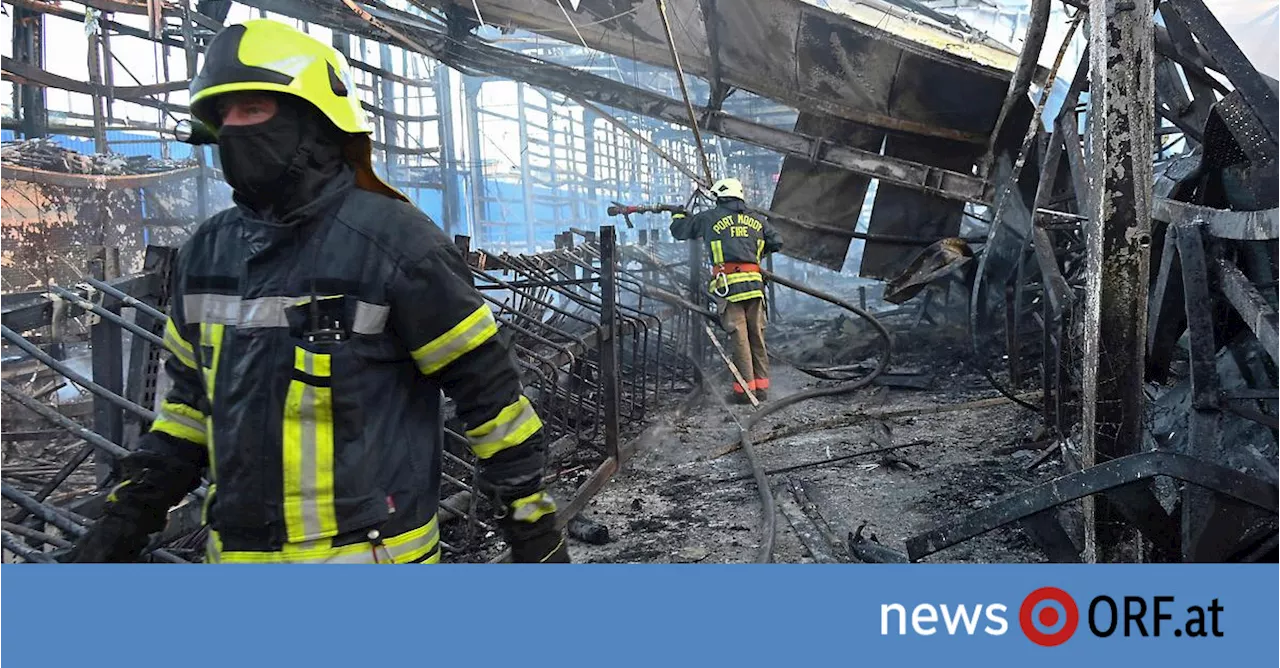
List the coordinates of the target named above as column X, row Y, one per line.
column 312, row 330
column 736, row 241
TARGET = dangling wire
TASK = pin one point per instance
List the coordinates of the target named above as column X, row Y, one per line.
column 684, row 91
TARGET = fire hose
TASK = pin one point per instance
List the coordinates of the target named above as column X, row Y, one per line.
column 764, row 553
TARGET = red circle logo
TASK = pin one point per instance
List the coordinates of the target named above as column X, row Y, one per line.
column 1048, row 616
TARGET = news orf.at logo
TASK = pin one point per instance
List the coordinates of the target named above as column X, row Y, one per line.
column 1048, row 616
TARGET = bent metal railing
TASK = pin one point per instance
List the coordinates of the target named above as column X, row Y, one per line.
column 81, row 381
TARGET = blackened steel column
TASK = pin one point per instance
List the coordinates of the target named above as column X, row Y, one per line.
column 1118, row 235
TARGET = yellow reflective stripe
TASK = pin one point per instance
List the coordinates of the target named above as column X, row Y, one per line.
column 308, row 453
column 403, row 548
column 181, row 421
column 208, row 501
column 754, row 294
column 744, row 276
column 178, row 346
column 211, row 336
column 717, row 252
column 759, row 249
column 513, row 424
column 533, row 507
column 464, row 337
column 735, row 279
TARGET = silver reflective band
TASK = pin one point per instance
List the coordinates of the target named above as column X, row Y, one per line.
column 267, row 312
column 370, row 318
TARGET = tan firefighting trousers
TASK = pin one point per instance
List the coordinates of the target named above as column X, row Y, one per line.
column 745, row 321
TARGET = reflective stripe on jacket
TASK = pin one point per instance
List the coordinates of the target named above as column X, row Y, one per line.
column 307, row 365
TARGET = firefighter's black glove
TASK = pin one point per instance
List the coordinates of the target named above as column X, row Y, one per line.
column 138, row 506
column 530, row 528
column 112, row 540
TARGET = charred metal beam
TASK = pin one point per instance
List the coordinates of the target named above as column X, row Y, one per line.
column 1232, row 61
column 79, row 17
column 1118, row 239
column 1166, row 312
column 1253, row 308
column 36, row 310
column 99, row 181
column 1204, row 352
column 26, row 73
column 28, row 47
column 1037, row 27
column 1094, row 480
column 1222, row 223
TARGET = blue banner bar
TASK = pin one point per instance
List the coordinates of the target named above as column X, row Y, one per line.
column 1026, row 615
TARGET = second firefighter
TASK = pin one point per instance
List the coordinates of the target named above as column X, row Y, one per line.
column 736, row 241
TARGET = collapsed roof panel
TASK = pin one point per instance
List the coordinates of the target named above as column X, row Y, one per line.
column 908, row 212
column 823, row 194
column 817, row 60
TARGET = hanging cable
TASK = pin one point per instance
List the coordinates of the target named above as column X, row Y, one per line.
column 684, row 91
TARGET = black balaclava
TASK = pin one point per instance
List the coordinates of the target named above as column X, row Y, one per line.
column 280, row 165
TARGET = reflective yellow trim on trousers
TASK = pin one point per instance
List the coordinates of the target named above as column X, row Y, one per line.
column 513, row 425
column 407, row 547
column 533, row 507
column 717, row 252
column 178, row 346
column 308, row 453
column 182, row 421
column 464, row 337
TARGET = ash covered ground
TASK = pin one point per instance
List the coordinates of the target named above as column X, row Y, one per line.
column 682, row 497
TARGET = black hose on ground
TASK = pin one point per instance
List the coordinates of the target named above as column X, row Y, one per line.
column 768, row 524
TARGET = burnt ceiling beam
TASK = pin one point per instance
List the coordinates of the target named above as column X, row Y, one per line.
column 79, row 17
column 1118, row 239
column 814, row 103
column 471, row 55
column 1253, row 87
column 710, row 25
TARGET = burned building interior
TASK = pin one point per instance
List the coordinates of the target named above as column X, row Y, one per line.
column 1025, row 310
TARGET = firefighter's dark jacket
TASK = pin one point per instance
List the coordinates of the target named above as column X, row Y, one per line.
column 311, row 446
column 733, row 236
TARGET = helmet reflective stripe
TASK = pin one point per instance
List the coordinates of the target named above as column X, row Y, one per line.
column 728, row 188
column 269, row 56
